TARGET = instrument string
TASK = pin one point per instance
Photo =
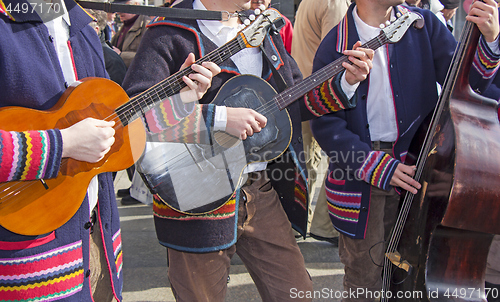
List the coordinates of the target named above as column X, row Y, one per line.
column 423, row 155
column 9, row 190
column 175, row 84
column 279, row 102
column 293, row 92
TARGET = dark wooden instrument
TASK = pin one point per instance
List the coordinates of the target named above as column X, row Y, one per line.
column 37, row 207
column 197, row 179
column 439, row 245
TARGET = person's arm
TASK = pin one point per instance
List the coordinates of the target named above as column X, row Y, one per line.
column 354, row 158
column 332, row 95
column 178, row 119
column 33, row 155
column 42, row 161
column 486, row 60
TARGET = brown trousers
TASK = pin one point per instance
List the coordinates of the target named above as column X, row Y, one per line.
column 100, row 279
column 265, row 244
column 363, row 259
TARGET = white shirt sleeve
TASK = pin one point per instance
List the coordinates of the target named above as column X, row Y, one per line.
column 348, row 89
column 220, row 119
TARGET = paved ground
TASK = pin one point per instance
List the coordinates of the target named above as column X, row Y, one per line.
column 145, row 266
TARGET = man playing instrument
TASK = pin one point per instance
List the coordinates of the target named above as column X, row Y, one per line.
column 374, row 137
column 40, row 58
column 253, row 223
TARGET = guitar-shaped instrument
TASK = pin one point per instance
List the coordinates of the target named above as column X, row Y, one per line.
column 38, row 207
column 196, row 178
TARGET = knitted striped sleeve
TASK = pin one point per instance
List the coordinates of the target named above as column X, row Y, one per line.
column 30, row 155
column 378, row 169
column 328, row 97
column 193, row 128
column 485, row 61
column 167, row 113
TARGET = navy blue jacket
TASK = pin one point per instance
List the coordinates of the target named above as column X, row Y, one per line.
column 419, row 60
column 55, row 264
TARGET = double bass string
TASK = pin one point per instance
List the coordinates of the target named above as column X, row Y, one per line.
column 422, row 158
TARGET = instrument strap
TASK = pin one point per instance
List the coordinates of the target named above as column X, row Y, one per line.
column 273, row 30
column 280, row 82
column 168, row 12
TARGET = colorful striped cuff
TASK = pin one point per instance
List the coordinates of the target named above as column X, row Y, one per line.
column 327, row 97
column 485, row 61
column 168, row 113
column 30, row 155
column 191, row 129
column 377, row 169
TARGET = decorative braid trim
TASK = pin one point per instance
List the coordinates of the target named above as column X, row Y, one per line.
column 161, row 210
column 190, row 129
column 168, row 113
column 300, row 190
column 117, row 251
column 4, row 11
column 48, row 276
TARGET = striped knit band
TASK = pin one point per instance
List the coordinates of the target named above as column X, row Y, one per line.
column 377, row 169
column 49, row 276
column 323, row 99
column 485, row 61
column 30, row 155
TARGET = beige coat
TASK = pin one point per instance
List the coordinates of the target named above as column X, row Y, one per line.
column 132, row 39
column 314, row 19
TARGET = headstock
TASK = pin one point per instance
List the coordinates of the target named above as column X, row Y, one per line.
column 253, row 35
column 396, row 30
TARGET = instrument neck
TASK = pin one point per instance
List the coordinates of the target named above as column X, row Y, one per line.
column 331, row 70
column 172, row 85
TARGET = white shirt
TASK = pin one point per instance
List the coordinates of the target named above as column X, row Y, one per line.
column 380, row 101
column 248, row 61
column 59, row 30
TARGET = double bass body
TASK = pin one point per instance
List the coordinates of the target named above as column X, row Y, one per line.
column 452, row 219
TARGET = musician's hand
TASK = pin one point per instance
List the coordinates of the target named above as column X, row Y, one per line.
column 403, row 178
column 244, row 122
column 361, row 59
column 88, row 140
column 485, row 15
column 199, row 82
column 117, row 50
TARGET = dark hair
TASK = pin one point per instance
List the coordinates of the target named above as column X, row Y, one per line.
column 450, row 4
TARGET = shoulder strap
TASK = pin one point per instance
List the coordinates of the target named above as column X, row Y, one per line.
column 280, row 82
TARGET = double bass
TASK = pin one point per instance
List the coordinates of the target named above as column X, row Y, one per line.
column 440, row 242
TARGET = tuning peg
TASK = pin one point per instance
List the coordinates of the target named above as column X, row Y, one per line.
column 251, row 17
column 382, row 26
column 387, row 23
column 262, row 7
column 246, row 22
column 257, row 11
column 398, row 15
column 393, row 18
